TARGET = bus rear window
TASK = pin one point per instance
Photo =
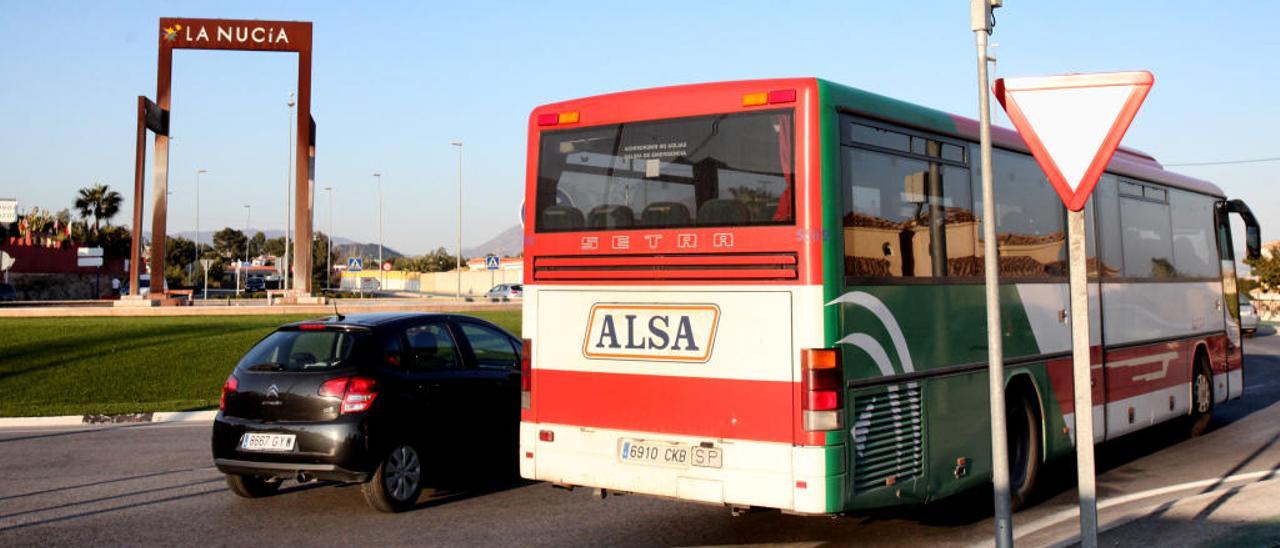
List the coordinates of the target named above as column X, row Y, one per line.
column 720, row 170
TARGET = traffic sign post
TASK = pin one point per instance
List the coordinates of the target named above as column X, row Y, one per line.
column 492, row 263
column 1073, row 125
column 206, row 263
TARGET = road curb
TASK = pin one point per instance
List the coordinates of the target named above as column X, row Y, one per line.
column 89, row 420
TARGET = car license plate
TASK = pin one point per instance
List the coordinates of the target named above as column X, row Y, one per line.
column 674, row 455
column 267, row 442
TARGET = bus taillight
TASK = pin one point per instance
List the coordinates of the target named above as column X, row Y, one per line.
column 526, row 373
column 823, row 389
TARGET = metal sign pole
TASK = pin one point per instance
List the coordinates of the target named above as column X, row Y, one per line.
column 1073, row 167
column 980, row 11
column 1083, row 377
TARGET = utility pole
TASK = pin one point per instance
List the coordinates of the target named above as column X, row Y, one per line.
column 247, row 211
column 197, row 259
column 458, row 258
column 382, row 278
column 328, row 258
column 288, row 198
column 981, row 22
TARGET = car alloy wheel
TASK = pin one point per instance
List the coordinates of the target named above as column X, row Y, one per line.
column 402, row 474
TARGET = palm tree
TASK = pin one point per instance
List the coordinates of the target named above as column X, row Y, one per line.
column 99, row 202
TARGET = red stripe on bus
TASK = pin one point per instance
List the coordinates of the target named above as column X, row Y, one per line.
column 1131, row 372
column 686, row 406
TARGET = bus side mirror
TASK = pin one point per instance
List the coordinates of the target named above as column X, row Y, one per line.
column 1253, row 242
column 1252, row 231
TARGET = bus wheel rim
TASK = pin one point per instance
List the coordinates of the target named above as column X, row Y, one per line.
column 1202, row 394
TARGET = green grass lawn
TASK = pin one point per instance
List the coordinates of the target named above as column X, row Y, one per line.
column 74, row 366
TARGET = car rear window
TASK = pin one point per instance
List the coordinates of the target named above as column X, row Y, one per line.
column 300, row 351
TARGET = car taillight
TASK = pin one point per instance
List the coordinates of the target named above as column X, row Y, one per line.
column 357, row 393
column 823, row 389
column 228, row 387
column 526, row 373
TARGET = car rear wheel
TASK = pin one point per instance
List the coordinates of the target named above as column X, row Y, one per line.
column 252, row 487
column 396, row 485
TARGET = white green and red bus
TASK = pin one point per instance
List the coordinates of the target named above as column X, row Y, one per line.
column 770, row 294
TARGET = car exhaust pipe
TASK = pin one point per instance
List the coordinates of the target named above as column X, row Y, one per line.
column 304, row 477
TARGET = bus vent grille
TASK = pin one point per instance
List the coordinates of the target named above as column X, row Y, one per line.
column 688, row 267
column 887, row 437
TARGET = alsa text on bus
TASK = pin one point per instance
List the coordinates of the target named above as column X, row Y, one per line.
column 651, row 332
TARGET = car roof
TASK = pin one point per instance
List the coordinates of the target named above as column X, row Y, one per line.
column 382, row 319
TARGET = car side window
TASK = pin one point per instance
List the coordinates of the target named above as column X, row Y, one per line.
column 431, row 347
column 393, row 351
column 491, row 347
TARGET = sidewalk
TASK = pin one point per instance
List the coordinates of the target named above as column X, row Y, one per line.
column 1245, row 515
column 1229, row 495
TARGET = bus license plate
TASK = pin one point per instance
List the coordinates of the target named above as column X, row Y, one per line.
column 267, row 442
column 674, row 455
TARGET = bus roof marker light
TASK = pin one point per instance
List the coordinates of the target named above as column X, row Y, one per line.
column 782, row 96
column 568, row 117
column 548, row 119
column 755, row 99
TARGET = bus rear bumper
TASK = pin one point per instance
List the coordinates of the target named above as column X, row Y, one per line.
column 796, row 479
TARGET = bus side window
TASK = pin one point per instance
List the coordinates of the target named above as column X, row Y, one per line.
column 1147, row 234
column 907, row 212
column 1195, row 252
column 1031, row 232
column 1106, row 201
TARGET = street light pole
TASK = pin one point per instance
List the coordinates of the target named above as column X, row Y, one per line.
column 980, row 22
column 288, row 197
column 197, row 259
column 458, row 257
column 381, row 277
column 328, row 258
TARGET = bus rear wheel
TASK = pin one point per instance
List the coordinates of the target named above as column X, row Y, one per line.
column 1022, row 427
column 1201, row 399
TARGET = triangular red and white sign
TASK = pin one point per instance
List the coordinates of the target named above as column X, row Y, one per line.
column 1073, row 123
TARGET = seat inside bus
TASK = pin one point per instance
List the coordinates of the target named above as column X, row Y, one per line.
column 723, row 212
column 560, row 217
column 611, row 216
column 762, row 212
column 671, row 214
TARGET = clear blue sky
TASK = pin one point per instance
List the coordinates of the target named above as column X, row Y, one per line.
column 394, row 83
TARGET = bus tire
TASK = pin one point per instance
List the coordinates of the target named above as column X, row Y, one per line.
column 1201, row 399
column 1022, row 427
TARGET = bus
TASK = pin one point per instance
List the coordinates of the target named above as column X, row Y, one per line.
column 769, row 294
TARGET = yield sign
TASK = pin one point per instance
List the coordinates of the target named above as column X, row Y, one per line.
column 1073, row 123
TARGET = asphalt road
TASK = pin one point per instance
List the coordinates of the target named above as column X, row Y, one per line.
column 155, row 485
